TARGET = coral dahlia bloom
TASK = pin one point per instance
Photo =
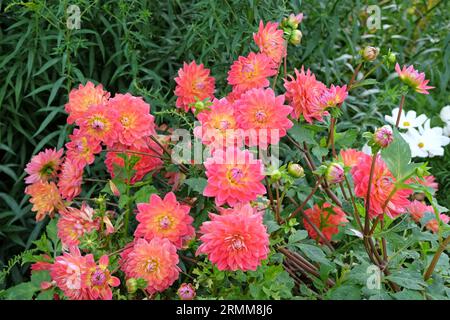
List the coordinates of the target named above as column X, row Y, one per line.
column 74, row 223
column 326, row 218
column 45, row 198
column 100, row 122
column 417, row 210
column 413, row 78
column 70, row 180
column 270, row 41
column 218, row 125
column 81, row 149
column 350, row 157
column 164, row 219
column 251, row 72
column 382, row 184
column 69, row 272
column 332, row 97
column 303, row 93
column 148, row 152
column 155, row 261
column 260, row 112
column 43, row 166
column 133, row 115
column 234, row 176
column 235, row 241
column 98, row 278
column 433, row 224
column 81, row 99
column 193, row 84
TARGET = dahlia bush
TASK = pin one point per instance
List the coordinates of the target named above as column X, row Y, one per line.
column 262, row 198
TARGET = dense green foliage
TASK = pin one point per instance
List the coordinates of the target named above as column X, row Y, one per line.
column 138, row 46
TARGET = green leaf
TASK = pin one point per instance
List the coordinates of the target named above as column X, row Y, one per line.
column 302, row 134
column 314, row 253
column 23, row 291
column 408, row 295
column 144, row 193
column 298, row 236
column 408, row 279
column 345, row 292
column 196, row 184
column 398, row 157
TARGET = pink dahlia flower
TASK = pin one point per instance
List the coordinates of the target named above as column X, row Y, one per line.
column 43, row 166
column 218, row 126
column 251, row 72
column 45, row 199
column 326, row 218
column 270, row 41
column 70, row 180
column 69, row 272
column 164, row 219
column 233, row 176
column 417, row 210
column 74, row 223
column 154, row 261
column 99, row 279
column 260, row 112
column 413, row 78
column 133, row 115
column 193, row 84
column 100, row 122
column 303, row 93
column 382, row 184
column 81, row 99
column 433, row 224
column 350, row 157
column 81, row 149
column 332, row 97
column 186, row 292
column 235, row 241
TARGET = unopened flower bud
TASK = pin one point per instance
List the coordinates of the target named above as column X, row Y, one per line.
column 383, row 136
column 296, row 170
column 276, row 175
column 186, row 292
column 391, row 57
column 370, row 53
column 292, row 21
column 295, row 38
column 132, row 285
column 114, row 188
column 334, row 173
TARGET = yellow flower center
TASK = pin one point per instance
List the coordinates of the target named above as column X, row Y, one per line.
column 421, row 145
column 406, row 124
column 260, row 116
column 235, row 175
column 165, row 222
column 151, row 265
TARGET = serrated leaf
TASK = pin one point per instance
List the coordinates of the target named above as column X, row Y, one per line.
column 196, row 184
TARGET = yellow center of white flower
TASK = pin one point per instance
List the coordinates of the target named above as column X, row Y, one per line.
column 406, row 124
column 421, row 145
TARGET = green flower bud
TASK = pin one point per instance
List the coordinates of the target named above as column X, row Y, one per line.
column 296, row 170
column 295, row 38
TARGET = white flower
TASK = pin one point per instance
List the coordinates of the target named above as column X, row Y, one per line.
column 426, row 142
column 409, row 121
column 445, row 114
column 447, row 130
